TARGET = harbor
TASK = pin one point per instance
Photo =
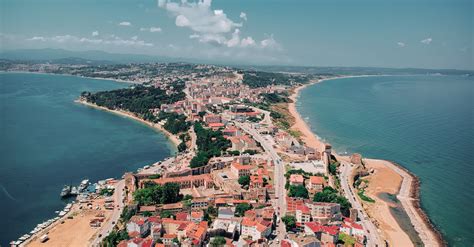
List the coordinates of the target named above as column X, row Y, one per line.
column 84, row 196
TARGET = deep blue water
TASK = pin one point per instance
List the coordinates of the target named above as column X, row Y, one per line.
column 47, row 140
column 424, row 123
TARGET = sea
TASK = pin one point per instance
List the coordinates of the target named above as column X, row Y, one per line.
column 424, row 123
column 47, row 140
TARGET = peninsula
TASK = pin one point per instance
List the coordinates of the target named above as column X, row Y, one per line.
column 249, row 171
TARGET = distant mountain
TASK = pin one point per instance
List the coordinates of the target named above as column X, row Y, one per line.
column 60, row 54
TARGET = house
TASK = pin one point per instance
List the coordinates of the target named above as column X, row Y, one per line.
column 256, row 181
column 301, row 241
column 138, row 224
column 168, row 239
column 196, row 216
column 225, row 213
column 226, row 227
column 296, row 179
column 325, row 234
column 136, row 242
column 351, row 228
column 255, row 229
column 210, row 118
column 325, row 212
column 302, row 214
column 241, row 170
column 316, row 183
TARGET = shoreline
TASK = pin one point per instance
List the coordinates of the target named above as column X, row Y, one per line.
column 79, row 76
column 409, row 191
column 173, row 138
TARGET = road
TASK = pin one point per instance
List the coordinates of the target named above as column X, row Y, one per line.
column 279, row 175
column 107, row 227
column 373, row 238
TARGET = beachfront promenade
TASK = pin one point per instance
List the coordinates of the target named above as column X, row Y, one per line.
column 405, row 197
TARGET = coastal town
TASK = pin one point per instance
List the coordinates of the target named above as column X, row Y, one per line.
column 248, row 170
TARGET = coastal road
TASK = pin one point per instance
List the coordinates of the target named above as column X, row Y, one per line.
column 279, row 175
column 373, row 238
column 118, row 208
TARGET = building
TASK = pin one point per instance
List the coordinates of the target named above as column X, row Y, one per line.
column 138, row 224
column 241, row 170
column 325, row 234
column 316, row 183
column 256, row 181
column 325, row 212
column 185, row 182
column 255, row 229
column 302, row 214
column 296, row 179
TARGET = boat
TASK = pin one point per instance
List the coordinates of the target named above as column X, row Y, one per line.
column 44, row 238
column 66, row 191
column 83, row 185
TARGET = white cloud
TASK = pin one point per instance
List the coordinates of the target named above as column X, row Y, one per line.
column 37, row 38
column 212, row 26
column 270, row 43
column 427, row 41
column 401, row 44
column 247, row 42
column 95, row 33
column 243, row 16
column 125, row 23
column 151, row 29
column 111, row 40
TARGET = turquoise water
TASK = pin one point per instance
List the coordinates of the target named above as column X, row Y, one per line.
column 47, row 140
column 424, row 123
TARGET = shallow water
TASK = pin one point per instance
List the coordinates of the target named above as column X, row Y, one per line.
column 424, row 123
column 47, row 140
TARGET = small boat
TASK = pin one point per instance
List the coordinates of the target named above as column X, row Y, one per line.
column 66, row 191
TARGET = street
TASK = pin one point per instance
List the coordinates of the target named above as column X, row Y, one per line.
column 118, row 207
column 373, row 238
column 279, row 176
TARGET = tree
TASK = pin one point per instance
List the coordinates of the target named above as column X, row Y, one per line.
column 114, row 238
column 218, row 241
column 176, row 241
column 298, row 191
column 182, row 147
column 188, row 197
column 329, row 194
column 241, row 209
column 290, row 222
column 166, row 214
column 156, row 194
column 244, row 180
column 170, row 193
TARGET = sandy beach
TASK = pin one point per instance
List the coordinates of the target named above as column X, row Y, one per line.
column 176, row 141
column 389, row 178
column 72, row 232
column 384, row 180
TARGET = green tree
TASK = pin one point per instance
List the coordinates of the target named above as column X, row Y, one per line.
column 170, row 193
column 298, row 191
column 331, row 195
column 182, row 147
column 290, row 222
column 114, row 238
column 241, row 209
column 218, row 241
column 244, row 180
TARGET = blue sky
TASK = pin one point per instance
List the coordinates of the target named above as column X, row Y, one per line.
column 424, row 34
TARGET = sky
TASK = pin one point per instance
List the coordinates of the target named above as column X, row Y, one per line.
column 374, row 33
